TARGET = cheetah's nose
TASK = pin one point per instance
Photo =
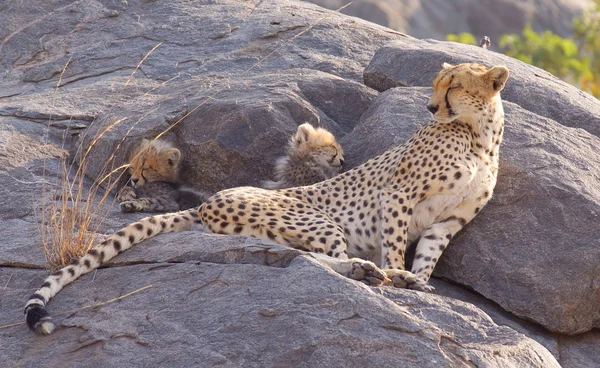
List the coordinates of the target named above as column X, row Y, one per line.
column 134, row 181
column 341, row 162
column 432, row 108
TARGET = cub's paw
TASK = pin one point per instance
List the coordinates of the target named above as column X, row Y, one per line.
column 366, row 272
column 126, row 194
column 130, row 206
column 406, row 280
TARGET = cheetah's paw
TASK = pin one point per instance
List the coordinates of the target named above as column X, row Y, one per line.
column 130, row 206
column 407, row 280
column 367, row 272
column 126, row 194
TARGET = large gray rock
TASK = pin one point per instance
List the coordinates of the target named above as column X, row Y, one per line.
column 194, row 55
column 246, row 303
column 437, row 18
column 91, row 51
column 244, row 126
column 535, row 249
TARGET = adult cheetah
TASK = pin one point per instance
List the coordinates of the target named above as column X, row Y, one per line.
column 313, row 156
column 427, row 189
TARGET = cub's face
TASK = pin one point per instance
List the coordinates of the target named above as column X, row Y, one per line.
column 319, row 145
column 465, row 90
column 329, row 157
column 154, row 161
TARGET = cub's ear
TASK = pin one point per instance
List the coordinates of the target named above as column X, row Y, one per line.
column 304, row 132
column 144, row 143
column 172, row 155
column 447, row 66
column 497, row 77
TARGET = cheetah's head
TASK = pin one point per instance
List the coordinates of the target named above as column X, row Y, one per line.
column 465, row 90
column 319, row 145
column 154, row 161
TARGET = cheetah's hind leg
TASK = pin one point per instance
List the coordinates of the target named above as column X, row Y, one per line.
column 355, row 269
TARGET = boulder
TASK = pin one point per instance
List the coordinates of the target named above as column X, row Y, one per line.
column 231, row 81
column 252, row 304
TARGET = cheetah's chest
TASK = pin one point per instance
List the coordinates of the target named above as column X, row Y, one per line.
column 364, row 236
column 439, row 207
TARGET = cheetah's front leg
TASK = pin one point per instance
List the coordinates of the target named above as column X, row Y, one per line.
column 396, row 209
column 436, row 237
column 149, row 205
column 126, row 193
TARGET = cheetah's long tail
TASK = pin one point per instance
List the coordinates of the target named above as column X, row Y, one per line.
column 36, row 315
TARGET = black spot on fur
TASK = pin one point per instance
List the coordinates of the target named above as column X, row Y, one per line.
column 117, row 245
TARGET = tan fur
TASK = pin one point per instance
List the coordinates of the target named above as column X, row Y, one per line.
column 154, row 160
column 423, row 191
column 313, row 155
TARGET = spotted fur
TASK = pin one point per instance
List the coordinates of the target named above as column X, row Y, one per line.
column 153, row 185
column 313, row 156
column 426, row 189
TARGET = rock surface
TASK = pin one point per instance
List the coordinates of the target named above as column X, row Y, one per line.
column 531, row 88
column 73, row 69
column 437, row 18
column 244, row 303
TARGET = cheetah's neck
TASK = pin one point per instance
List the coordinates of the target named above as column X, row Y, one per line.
column 488, row 128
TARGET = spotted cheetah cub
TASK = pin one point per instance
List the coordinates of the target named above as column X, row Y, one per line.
column 425, row 191
column 313, row 155
column 153, row 186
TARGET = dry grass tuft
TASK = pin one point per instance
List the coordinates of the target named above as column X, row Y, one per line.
column 71, row 214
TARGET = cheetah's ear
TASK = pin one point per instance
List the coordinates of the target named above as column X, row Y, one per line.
column 144, row 143
column 172, row 155
column 497, row 76
column 304, row 132
column 447, row 66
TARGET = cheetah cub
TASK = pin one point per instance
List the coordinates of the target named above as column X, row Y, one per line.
column 360, row 222
column 154, row 170
column 313, row 156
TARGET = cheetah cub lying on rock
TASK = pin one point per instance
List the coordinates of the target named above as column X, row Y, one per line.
column 426, row 189
column 154, row 170
column 313, row 156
